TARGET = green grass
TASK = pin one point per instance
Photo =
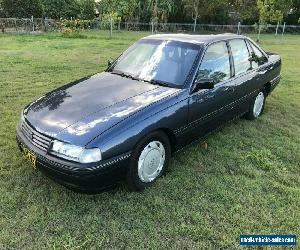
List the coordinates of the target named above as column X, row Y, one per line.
column 246, row 182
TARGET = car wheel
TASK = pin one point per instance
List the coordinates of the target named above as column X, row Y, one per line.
column 149, row 161
column 257, row 106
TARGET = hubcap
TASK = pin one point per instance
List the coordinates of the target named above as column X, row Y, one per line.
column 258, row 104
column 151, row 161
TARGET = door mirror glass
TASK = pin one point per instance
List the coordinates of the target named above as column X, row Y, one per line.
column 204, row 83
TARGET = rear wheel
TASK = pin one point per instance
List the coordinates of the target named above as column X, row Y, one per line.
column 257, row 106
column 149, row 161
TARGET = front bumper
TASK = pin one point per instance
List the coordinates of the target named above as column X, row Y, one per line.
column 77, row 176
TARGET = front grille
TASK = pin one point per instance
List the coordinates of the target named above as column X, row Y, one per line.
column 36, row 138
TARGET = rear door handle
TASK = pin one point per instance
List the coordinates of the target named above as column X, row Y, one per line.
column 262, row 72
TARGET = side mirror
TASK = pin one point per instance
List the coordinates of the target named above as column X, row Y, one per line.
column 203, row 83
column 253, row 57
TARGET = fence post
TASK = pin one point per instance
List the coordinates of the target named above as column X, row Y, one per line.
column 238, row 30
column 32, row 23
column 110, row 31
column 119, row 25
column 259, row 28
column 283, row 29
column 277, row 28
column 195, row 23
column 152, row 27
column 45, row 24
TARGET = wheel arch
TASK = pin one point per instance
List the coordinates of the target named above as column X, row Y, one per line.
column 267, row 88
column 172, row 138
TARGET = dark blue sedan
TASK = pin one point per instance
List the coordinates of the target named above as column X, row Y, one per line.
column 161, row 94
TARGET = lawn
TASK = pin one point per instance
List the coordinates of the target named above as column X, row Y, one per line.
column 246, row 182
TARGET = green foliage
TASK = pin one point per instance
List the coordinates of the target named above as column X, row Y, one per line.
column 76, row 24
column 22, row 8
column 87, row 9
column 213, row 11
column 268, row 12
column 71, row 33
column 160, row 9
column 128, row 10
column 261, row 158
column 84, row 9
column 106, row 19
column 245, row 11
column 273, row 10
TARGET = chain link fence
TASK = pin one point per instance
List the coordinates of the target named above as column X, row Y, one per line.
column 24, row 25
column 206, row 28
column 46, row 25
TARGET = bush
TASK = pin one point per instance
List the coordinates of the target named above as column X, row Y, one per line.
column 105, row 20
column 72, row 28
column 71, row 33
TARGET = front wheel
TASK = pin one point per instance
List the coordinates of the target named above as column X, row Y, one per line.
column 257, row 106
column 149, row 161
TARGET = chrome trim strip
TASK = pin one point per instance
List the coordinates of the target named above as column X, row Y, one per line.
column 110, row 162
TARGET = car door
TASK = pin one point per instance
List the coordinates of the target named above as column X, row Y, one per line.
column 208, row 108
column 245, row 76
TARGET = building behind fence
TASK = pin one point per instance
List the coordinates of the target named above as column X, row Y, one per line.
column 46, row 25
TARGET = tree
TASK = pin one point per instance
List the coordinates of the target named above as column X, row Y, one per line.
column 62, row 8
column 127, row 10
column 160, row 9
column 193, row 6
column 22, row 8
column 293, row 16
column 246, row 10
column 273, row 10
column 87, row 9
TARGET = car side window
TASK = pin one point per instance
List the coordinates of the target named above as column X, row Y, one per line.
column 259, row 57
column 240, row 56
column 215, row 63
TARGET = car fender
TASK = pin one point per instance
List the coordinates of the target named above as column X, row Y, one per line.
column 169, row 114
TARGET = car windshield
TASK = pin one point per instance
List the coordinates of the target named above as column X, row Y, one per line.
column 157, row 61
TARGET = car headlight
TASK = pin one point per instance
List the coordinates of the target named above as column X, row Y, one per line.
column 75, row 153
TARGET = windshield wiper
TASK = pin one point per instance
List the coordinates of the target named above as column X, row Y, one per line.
column 157, row 82
column 125, row 75
column 119, row 73
column 153, row 81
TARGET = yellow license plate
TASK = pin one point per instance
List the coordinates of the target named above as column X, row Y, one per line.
column 29, row 155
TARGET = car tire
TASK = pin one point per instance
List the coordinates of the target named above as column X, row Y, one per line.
column 257, row 106
column 149, row 161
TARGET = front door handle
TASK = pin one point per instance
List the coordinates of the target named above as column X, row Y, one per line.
column 229, row 89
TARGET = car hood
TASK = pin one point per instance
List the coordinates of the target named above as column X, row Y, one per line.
column 81, row 110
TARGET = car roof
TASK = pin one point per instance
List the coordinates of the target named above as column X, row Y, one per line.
column 195, row 39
